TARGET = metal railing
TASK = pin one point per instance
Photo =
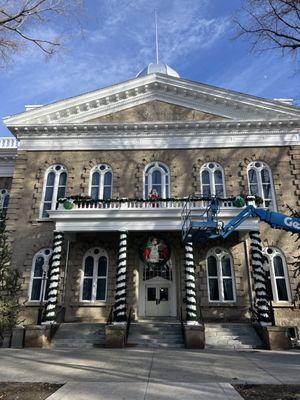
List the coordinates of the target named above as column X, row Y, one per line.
column 110, row 318
column 128, row 322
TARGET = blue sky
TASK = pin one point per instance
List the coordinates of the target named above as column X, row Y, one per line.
column 117, row 39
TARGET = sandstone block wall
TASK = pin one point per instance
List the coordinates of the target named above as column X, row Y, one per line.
column 28, row 233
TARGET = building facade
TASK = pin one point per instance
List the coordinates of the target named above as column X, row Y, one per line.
column 87, row 166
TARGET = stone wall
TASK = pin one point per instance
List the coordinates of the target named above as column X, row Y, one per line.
column 156, row 111
column 28, row 233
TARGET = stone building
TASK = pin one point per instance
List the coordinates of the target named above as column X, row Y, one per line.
column 114, row 146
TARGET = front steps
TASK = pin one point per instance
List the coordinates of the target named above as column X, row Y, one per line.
column 231, row 336
column 79, row 335
column 155, row 333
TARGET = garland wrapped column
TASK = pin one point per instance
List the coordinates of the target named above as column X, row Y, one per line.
column 191, row 307
column 120, row 297
column 259, row 275
column 54, row 274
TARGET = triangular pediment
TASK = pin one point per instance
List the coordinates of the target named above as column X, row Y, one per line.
column 155, row 97
column 155, row 111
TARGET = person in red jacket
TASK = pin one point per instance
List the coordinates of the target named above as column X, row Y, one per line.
column 154, row 195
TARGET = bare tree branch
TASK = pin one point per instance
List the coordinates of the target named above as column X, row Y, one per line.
column 19, row 19
column 270, row 24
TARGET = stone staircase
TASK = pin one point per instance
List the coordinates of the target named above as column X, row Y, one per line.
column 79, row 335
column 156, row 333
column 231, row 336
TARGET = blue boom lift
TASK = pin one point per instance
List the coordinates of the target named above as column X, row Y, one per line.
column 200, row 227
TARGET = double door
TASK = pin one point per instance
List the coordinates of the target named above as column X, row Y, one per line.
column 157, row 300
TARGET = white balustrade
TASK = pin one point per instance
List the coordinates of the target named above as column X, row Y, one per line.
column 135, row 204
column 8, row 143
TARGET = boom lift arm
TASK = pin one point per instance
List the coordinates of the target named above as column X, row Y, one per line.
column 274, row 219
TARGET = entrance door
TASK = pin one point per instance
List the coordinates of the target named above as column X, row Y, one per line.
column 157, row 301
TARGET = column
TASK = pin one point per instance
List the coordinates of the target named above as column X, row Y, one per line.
column 191, row 305
column 120, row 297
column 54, row 275
column 259, row 276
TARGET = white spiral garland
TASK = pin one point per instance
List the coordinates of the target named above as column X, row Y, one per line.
column 190, row 286
column 120, row 297
column 54, row 274
column 259, row 275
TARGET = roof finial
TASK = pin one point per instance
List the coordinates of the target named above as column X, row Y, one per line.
column 156, row 36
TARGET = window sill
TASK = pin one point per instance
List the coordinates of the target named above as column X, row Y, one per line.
column 42, row 220
column 222, row 304
column 89, row 304
column 283, row 304
column 34, row 304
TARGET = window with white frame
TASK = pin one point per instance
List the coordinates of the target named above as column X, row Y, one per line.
column 212, row 180
column 55, row 186
column 220, row 277
column 278, row 281
column 261, row 183
column 101, row 182
column 4, row 199
column 94, row 275
column 157, row 177
column 39, row 275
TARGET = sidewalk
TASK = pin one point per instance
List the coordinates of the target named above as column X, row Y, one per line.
column 148, row 374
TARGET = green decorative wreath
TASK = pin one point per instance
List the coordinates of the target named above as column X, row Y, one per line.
column 239, row 202
column 68, row 205
column 155, row 251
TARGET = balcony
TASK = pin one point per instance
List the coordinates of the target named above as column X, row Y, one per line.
column 86, row 215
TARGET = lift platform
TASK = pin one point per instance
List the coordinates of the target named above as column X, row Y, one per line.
column 199, row 225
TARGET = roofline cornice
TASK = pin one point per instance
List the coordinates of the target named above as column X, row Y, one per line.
column 199, row 126
column 88, row 104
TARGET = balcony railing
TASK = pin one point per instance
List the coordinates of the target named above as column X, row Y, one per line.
column 78, row 213
column 120, row 204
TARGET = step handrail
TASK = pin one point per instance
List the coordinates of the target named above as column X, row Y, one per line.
column 128, row 322
column 110, row 318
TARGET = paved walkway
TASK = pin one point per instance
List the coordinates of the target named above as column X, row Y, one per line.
column 146, row 373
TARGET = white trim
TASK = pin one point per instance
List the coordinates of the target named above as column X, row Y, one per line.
column 148, row 219
column 211, row 171
column 54, row 199
column 258, row 171
column 4, row 193
column 270, row 257
column 7, row 171
column 102, row 173
column 95, row 277
column 155, row 282
column 46, row 257
column 160, row 138
column 219, row 256
column 89, row 105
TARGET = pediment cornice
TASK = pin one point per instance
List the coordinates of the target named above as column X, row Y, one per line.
column 222, row 102
column 246, row 126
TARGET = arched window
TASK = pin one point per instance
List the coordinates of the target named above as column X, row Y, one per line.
column 278, row 281
column 55, row 186
column 157, row 176
column 220, row 278
column 261, row 183
column 212, row 180
column 101, row 182
column 39, row 275
column 4, row 199
column 94, row 275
